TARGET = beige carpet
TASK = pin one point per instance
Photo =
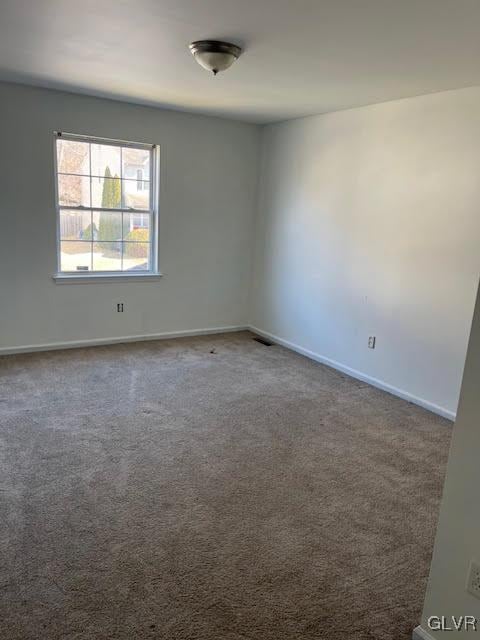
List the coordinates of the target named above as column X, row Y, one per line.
column 210, row 488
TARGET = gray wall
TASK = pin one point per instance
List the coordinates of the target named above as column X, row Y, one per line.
column 208, row 181
column 368, row 224
column 458, row 534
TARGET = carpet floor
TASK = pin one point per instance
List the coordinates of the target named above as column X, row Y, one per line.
column 210, row 488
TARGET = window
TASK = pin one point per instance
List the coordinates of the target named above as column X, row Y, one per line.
column 106, row 222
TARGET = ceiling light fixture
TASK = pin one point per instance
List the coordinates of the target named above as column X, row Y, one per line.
column 214, row 55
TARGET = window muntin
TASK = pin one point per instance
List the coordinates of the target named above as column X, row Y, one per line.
column 139, row 179
column 106, row 223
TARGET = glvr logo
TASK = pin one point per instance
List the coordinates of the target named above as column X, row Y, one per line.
column 462, row 623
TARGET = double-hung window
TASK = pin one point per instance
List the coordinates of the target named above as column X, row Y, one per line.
column 106, row 224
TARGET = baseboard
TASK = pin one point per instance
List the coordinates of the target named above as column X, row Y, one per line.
column 75, row 344
column 430, row 406
column 420, row 634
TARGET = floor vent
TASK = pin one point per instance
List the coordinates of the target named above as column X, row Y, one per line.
column 263, row 341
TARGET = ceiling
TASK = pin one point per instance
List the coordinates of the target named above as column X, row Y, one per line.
column 301, row 56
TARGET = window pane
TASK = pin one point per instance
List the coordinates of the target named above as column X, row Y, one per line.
column 107, row 256
column 136, row 227
column 76, row 225
column 136, row 256
column 106, row 193
column 73, row 191
column 73, row 157
column 135, row 163
column 108, row 225
column 75, row 256
column 105, row 160
column 134, row 197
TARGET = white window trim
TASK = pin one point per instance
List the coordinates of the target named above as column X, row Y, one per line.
column 82, row 277
column 103, row 276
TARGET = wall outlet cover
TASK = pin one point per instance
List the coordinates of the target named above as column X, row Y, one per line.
column 473, row 583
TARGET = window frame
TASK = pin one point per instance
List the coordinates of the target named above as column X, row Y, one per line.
column 152, row 212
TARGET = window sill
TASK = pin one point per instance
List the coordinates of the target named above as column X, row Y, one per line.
column 67, row 278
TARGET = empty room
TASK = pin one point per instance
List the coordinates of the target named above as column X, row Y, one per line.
column 239, row 320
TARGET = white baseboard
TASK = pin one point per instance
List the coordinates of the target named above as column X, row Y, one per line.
column 75, row 344
column 420, row 634
column 441, row 411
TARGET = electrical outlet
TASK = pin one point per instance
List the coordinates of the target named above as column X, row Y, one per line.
column 473, row 583
column 371, row 342
column 120, row 307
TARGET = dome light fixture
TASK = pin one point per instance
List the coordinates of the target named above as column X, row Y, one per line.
column 214, row 55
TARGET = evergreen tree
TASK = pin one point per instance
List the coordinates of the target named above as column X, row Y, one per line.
column 110, row 225
column 107, row 189
column 90, row 232
column 116, row 192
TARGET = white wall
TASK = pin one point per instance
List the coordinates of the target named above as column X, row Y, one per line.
column 458, row 534
column 368, row 224
column 207, row 194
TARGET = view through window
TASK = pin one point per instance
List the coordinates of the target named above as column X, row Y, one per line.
column 105, row 205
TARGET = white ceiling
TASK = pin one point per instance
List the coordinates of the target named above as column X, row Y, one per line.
column 301, row 56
